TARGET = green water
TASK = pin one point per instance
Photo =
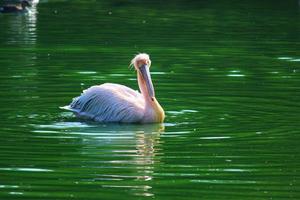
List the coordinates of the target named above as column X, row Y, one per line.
column 227, row 74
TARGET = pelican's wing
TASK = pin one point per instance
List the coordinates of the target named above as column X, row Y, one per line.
column 108, row 103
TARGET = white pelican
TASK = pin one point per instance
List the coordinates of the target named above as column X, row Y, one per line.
column 111, row 102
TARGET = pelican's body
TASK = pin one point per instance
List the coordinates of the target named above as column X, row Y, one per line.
column 117, row 103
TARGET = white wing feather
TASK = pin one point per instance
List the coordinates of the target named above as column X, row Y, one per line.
column 109, row 103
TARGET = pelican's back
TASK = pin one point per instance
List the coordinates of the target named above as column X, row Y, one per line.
column 108, row 103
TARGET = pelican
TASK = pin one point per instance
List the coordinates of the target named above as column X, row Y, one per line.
column 112, row 102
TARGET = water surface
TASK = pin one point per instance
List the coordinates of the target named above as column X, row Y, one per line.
column 226, row 73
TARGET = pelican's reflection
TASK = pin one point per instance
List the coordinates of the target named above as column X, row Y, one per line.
column 120, row 156
column 145, row 146
column 146, row 142
column 116, row 155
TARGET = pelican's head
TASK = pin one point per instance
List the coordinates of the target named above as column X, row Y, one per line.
column 142, row 63
column 140, row 60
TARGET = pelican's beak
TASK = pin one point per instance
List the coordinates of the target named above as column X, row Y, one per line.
column 144, row 69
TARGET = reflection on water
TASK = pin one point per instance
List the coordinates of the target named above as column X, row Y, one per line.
column 21, row 27
column 146, row 150
column 20, row 31
column 136, row 142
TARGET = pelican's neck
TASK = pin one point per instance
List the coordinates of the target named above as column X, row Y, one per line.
column 143, row 89
column 153, row 110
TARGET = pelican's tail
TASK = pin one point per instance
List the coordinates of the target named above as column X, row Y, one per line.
column 68, row 108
